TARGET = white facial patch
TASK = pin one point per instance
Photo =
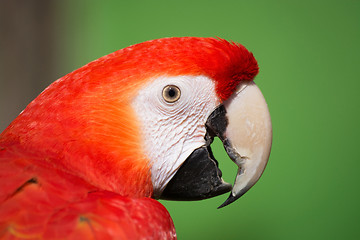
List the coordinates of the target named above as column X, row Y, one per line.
column 171, row 131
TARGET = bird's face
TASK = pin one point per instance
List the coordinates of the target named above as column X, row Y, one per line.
column 179, row 118
column 173, row 112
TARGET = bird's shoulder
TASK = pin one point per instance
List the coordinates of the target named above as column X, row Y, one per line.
column 38, row 202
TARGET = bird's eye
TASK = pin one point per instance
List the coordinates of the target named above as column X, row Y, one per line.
column 171, row 93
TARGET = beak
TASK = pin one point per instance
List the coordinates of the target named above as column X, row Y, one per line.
column 243, row 124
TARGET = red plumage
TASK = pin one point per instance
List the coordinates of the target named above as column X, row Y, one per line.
column 72, row 163
column 46, row 203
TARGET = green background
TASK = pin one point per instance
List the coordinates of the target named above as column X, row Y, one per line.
column 308, row 53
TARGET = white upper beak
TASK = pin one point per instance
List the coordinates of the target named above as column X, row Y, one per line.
column 249, row 133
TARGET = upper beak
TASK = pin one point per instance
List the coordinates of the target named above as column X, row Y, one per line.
column 243, row 125
column 248, row 137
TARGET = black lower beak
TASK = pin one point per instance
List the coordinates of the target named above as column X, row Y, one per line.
column 199, row 176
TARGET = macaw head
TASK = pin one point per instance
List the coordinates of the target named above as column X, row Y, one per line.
column 140, row 121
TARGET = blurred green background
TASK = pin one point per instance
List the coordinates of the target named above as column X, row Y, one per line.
column 308, row 53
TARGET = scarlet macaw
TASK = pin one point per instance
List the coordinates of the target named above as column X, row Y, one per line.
column 88, row 157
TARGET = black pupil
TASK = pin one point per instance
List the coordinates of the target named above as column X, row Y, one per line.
column 172, row 92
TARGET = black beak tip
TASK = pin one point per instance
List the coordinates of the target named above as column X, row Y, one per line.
column 233, row 198
column 229, row 200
